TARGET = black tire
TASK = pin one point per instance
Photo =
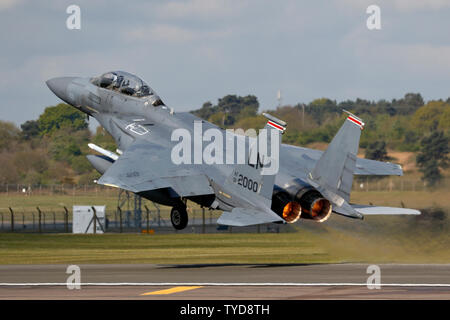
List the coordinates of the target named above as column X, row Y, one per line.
column 179, row 217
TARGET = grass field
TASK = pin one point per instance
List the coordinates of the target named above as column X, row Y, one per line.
column 413, row 199
column 134, row 248
column 311, row 244
column 29, row 203
column 376, row 239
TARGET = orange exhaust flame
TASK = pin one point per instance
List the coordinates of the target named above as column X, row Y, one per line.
column 292, row 212
column 320, row 210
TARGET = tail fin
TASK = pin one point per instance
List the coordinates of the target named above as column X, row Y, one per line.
column 335, row 168
column 269, row 142
column 263, row 148
column 263, row 159
column 333, row 173
column 248, row 190
column 275, row 123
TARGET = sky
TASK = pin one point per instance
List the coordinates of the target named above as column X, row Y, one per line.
column 195, row 51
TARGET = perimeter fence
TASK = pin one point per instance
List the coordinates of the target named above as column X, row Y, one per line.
column 360, row 183
column 60, row 220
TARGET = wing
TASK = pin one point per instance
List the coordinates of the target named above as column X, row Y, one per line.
column 146, row 166
column 145, row 162
column 126, row 129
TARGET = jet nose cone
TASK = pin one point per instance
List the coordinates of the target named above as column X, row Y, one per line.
column 59, row 87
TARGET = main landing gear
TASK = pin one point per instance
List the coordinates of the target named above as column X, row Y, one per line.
column 179, row 217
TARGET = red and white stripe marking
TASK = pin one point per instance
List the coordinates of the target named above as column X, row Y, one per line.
column 359, row 123
column 276, row 126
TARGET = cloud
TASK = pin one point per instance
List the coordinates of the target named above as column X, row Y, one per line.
column 200, row 8
column 197, row 50
column 418, row 58
column 411, row 5
column 399, row 5
column 173, row 34
column 372, row 51
column 7, row 4
column 167, row 33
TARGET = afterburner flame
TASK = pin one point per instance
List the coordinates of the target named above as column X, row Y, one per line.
column 292, row 212
column 320, row 209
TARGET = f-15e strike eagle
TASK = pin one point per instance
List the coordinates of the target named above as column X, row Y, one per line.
column 308, row 184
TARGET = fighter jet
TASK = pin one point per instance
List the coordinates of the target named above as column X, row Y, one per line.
column 307, row 183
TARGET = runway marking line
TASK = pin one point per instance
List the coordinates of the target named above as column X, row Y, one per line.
column 220, row 284
column 171, row 290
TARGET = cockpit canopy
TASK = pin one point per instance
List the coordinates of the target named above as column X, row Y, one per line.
column 126, row 83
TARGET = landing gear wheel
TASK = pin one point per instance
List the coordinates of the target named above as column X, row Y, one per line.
column 179, row 217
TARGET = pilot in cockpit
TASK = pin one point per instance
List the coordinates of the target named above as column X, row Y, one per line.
column 128, row 84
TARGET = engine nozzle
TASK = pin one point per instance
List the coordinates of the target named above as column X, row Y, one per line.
column 315, row 206
column 292, row 212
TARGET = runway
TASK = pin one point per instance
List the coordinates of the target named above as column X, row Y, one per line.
column 226, row 281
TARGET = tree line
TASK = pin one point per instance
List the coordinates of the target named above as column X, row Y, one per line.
column 52, row 148
column 406, row 124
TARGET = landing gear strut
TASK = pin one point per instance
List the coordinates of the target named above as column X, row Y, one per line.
column 179, row 217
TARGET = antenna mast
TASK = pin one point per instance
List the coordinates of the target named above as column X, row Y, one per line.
column 279, row 98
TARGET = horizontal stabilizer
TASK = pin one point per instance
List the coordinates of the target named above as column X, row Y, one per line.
column 373, row 210
column 309, row 158
column 241, row 217
column 377, row 168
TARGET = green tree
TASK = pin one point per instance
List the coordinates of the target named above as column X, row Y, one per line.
column 234, row 104
column 384, row 106
column 9, row 134
column 68, row 146
column 413, row 99
column 218, row 119
column 104, row 139
column 426, row 117
column 229, row 109
column 8, row 169
column 318, row 108
column 30, row 129
column 409, row 104
column 206, row 111
column 61, row 116
column 376, row 151
column 433, row 156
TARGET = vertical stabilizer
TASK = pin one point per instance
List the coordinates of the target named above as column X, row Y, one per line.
column 334, row 170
